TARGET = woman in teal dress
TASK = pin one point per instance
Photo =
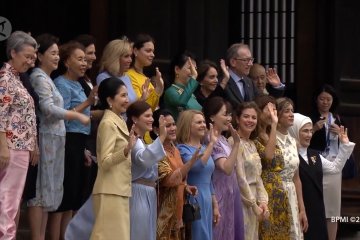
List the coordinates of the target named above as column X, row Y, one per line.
column 191, row 130
column 180, row 95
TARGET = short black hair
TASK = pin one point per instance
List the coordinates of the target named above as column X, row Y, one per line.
column 109, row 88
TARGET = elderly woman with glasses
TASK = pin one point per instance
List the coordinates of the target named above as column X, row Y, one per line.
column 17, row 129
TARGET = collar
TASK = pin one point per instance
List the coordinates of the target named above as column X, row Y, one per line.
column 10, row 68
column 303, row 152
column 281, row 137
column 234, row 76
column 117, row 120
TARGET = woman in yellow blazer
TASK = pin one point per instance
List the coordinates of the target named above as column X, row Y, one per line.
column 143, row 50
column 112, row 188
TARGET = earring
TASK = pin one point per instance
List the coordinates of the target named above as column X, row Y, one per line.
column 177, row 75
column 110, row 106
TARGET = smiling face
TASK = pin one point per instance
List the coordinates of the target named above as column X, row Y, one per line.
column 324, row 102
column 170, row 128
column 125, row 61
column 90, row 55
column 183, row 74
column 210, row 80
column 305, row 135
column 198, row 126
column 76, row 64
column 221, row 120
column 145, row 55
column 258, row 75
column 120, row 101
column 286, row 116
column 23, row 59
column 243, row 62
column 144, row 121
column 50, row 59
column 247, row 121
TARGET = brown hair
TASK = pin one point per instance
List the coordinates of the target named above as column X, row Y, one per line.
column 135, row 110
column 249, row 105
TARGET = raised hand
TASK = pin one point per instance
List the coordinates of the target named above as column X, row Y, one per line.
column 273, row 113
column 193, row 71
column 132, row 140
column 159, row 82
column 224, row 69
column 214, row 134
column 272, row 77
column 145, row 90
column 234, row 134
column 343, row 135
column 162, row 128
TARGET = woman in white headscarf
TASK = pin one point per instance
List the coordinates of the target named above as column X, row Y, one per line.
column 311, row 169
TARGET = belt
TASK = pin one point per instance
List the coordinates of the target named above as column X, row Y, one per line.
column 145, row 182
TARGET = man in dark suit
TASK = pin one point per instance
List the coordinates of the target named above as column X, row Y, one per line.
column 240, row 87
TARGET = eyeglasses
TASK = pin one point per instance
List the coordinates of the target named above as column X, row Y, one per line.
column 246, row 60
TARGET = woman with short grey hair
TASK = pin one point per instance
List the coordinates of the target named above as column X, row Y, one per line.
column 18, row 143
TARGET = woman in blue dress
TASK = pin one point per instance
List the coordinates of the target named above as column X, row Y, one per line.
column 144, row 170
column 191, row 131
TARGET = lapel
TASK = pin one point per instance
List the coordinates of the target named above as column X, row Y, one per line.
column 117, row 120
column 310, row 170
column 235, row 90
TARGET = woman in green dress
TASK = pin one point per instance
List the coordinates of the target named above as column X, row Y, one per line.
column 180, row 95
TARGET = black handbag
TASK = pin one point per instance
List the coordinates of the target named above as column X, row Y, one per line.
column 191, row 211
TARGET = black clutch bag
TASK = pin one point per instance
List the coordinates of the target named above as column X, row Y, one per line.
column 191, row 211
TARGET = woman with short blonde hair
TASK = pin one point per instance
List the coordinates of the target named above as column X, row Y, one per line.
column 115, row 62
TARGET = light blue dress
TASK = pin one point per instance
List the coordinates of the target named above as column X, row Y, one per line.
column 200, row 176
column 143, row 204
column 125, row 78
column 49, row 182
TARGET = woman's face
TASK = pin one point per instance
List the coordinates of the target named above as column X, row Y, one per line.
column 76, row 63
column 222, row 119
column 324, row 102
column 198, row 126
column 210, row 80
column 170, row 128
column 184, row 73
column 50, row 59
column 144, row 121
column 90, row 55
column 305, row 134
column 145, row 55
column 247, row 120
column 286, row 118
column 125, row 61
column 120, row 101
column 23, row 59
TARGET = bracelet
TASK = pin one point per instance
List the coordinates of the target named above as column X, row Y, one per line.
column 74, row 109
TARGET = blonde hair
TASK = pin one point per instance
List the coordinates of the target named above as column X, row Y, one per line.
column 183, row 125
column 110, row 60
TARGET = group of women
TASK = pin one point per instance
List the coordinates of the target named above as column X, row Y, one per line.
column 249, row 168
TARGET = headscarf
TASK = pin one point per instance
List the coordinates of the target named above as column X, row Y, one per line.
column 299, row 121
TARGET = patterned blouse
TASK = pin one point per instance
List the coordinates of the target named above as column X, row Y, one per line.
column 17, row 111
